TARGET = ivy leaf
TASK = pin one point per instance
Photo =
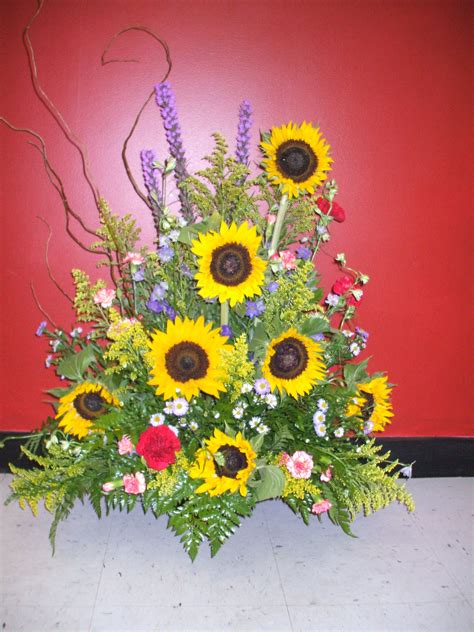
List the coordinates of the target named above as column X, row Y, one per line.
column 74, row 365
column 271, row 483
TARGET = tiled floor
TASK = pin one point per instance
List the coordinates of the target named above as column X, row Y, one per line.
column 129, row 573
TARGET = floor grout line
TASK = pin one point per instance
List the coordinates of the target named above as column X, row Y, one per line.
column 100, row 575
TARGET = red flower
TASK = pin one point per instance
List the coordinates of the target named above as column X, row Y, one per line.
column 337, row 212
column 158, row 445
column 342, row 285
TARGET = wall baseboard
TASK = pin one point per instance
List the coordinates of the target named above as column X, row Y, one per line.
column 433, row 456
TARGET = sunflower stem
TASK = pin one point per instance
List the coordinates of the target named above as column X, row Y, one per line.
column 278, row 225
column 225, row 313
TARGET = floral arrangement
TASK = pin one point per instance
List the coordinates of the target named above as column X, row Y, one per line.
column 210, row 371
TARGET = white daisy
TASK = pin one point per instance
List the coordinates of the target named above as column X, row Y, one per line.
column 323, row 405
column 180, row 407
column 339, row 432
column 157, row 419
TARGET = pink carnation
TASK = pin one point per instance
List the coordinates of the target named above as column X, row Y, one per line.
column 326, row 476
column 134, row 257
column 104, row 297
column 321, row 507
column 108, row 487
column 134, row 483
column 284, row 458
column 300, row 465
column 125, row 445
column 288, row 259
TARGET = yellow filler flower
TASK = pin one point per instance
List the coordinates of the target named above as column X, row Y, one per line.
column 229, row 268
column 293, row 363
column 78, row 409
column 187, row 357
column 297, row 158
column 225, row 465
column 372, row 403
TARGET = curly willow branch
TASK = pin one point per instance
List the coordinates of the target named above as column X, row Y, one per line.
column 52, row 109
column 105, row 61
column 46, row 259
column 39, row 306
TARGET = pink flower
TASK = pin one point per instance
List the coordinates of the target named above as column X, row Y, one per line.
column 288, row 259
column 104, row 297
column 300, row 465
column 125, row 446
column 321, row 507
column 108, row 487
column 134, row 257
column 134, row 483
column 271, row 218
column 342, row 285
column 284, row 458
column 326, row 476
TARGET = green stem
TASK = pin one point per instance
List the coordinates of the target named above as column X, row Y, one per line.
column 278, row 225
column 225, row 313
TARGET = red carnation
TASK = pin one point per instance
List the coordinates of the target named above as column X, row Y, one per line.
column 158, row 445
column 342, row 285
column 337, row 212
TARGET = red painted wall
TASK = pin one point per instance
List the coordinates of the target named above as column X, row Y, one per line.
column 387, row 81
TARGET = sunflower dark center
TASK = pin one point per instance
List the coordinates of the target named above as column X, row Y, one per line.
column 290, row 359
column 296, row 160
column 230, row 264
column 90, row 405
column 234, row 461
column 368, row 406
column 186, row 361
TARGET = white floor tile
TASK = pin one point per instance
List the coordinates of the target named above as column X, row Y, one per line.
column 40, row 618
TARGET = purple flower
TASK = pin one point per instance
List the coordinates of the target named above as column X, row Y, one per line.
column 261, row 386
column 318, row 337
column 156, row 306
column 49, row 361
column 166, row 101
column 363, row 334
column 165, row 254
column 41, row 328
column 368, row 427
column 255, row 308
column 321, row 230
column 159, row 291
column 139, row 274
column 332, row 299
column 186, row 271
column 304, row 253
column 226, row 331
column 150, row 174
column 170, row 313
column 272, row 286
column 243, row 133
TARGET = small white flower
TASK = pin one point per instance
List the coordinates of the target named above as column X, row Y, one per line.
column 254, row 422
column 54, row 345
column 168, row 409
column 217, row 415
column 348, row 333
column 339, row 432
column 244, row 405
column 246, row 388
column 238, row 412
column 262, row 386
column 180, row 407
column 319, row 417
column 76, row 332
column 323, row 405
column 263, row 429
column 157, row 419
column 407, row 471
column 271, row 400
column 48, row 362
column 320, row 429
column 174, row 234
column 65, row 445
column 332, row 299
column 193, row 425
column 354, row 349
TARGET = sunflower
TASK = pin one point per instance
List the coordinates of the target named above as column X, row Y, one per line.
column 372, row 403
column 78, row 409
column 297, row 158
column 225, row 464
column 293, row 363
column 229, row 268
column 187, row 357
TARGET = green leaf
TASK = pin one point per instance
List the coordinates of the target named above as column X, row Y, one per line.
column 271, row 484
column 73, row 365
column 257, row 442
column 355, row 373
column 315, row 325
column 58, row 392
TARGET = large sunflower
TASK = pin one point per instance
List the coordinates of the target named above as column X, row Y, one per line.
column 297, row 158
column 372, row 403
column 225, row 464
column 78, row 409
column 229, row 268
column 293, row 363
column 187, row 357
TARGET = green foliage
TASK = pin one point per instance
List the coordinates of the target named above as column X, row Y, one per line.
column 116, row 234
column 74, row 365
column 84, row 306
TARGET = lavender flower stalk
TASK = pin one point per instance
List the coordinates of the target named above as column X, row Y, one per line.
column 148, row 157
column 166, row 101
column 242, row 151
